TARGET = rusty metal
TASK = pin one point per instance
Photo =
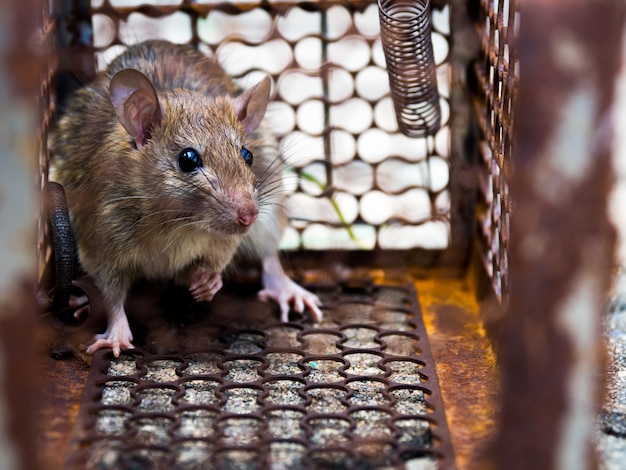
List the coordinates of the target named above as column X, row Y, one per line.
column 494, row 96
column 64, row 386
column 405, row 33
column 463, row 131
column 358, row 389
column 562, row 242
column 48, row 63
column 21, row 69
column 463, row 354
column 539, row 352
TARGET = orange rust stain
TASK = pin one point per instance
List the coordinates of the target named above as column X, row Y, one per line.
column 466, row 365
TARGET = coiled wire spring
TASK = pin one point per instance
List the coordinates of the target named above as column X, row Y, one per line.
column 406, row 38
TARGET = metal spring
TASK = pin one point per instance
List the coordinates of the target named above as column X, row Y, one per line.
column 406, row 38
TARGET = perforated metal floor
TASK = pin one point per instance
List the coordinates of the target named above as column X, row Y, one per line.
column 236, row 389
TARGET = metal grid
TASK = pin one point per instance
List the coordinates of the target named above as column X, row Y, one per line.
column 355, row 181
column 46, row 42
column 494, row 97
column 358, row 390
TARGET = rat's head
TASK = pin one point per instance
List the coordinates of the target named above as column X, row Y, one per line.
column 194, row 149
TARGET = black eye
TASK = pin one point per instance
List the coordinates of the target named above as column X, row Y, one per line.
column 247, row 156
column 189, row 160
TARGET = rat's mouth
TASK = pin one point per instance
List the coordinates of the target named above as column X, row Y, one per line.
column 238, row 229
column 230, row 228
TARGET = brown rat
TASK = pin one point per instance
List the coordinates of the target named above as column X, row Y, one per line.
column 169, row 171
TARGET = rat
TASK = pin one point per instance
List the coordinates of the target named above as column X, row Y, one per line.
column 171, row 171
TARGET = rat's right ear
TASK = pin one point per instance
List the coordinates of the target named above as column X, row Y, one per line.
column 136, row 104
column 251, row 105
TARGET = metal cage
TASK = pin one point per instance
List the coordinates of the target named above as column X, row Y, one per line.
column 477, row 176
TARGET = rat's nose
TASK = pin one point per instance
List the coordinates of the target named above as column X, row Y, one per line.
column 247, row 215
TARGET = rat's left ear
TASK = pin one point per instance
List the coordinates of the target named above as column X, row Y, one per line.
column 251, row 105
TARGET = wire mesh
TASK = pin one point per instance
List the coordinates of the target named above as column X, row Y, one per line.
column 496, row 79
column 47, row 36
column 358, row 390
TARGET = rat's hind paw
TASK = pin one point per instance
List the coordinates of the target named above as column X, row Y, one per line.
column 288, row 294
column 115, row 345
column 204, row 285
column 117, row 337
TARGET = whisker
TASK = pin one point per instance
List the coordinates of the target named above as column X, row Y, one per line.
column 206, row 177
column 123, row 198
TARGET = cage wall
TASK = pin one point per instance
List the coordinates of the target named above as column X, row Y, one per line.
column 494, row 82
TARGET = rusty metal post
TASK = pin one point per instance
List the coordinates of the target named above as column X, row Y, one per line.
column 463, row 130
column 20, row 75
column 562, row 241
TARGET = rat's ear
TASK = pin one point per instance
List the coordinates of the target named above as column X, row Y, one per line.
column 136, row 104
column 251, row 105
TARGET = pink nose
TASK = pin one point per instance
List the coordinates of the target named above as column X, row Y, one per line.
column 246, row 217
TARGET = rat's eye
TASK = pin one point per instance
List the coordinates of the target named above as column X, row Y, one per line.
column 189, row 160
column 247, row 156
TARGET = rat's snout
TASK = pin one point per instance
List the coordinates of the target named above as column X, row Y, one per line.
column 240, row 210
column 245, row 211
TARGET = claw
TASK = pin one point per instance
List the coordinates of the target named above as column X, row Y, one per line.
column 114, row 340
column 117, row 335
column 288, row 294
column 115, row 345
column 278, row 287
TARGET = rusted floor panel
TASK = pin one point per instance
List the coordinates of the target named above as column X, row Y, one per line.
column 62, row 386
column 461, row 352
column 466, row 365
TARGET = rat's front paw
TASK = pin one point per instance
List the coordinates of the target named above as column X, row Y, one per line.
column 116, row 337
column 289, row 294
column 204, row 285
